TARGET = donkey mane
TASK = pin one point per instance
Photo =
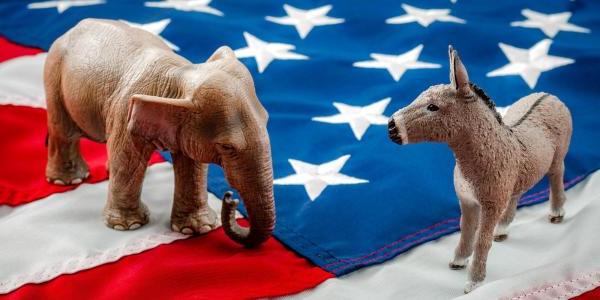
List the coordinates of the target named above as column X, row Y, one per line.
column 488, row 101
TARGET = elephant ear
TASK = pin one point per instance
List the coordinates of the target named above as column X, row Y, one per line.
column 157, row 119
column 223, row 52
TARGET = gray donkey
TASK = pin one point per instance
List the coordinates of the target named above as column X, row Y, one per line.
column 497, row 159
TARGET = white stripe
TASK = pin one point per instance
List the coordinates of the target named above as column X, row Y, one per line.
column 64, row 233
column 538, row 260
column 21, row 81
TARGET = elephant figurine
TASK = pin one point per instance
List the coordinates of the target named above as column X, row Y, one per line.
column 123, row 86
column 497, row 159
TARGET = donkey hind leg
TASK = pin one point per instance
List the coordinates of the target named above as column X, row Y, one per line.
column 65, row 164
column 469, row 221
column 557, row 192
column 501, row 231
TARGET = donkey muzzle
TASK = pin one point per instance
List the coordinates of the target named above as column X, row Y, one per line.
column 393, row 132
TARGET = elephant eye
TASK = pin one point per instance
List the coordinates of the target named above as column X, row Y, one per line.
column 226, row 148
column 432, row 107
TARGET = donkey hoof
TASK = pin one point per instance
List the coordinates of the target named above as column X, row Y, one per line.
column 500, row 237
column 458, row 263
column 471, row 285
column 454, row 266
column 556, row 219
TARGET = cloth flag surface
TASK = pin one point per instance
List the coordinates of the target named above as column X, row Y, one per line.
column 330, row 73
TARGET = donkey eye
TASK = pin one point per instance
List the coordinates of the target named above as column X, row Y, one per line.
column 432, row 107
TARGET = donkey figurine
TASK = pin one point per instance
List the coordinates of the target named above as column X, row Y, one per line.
column 497, row 159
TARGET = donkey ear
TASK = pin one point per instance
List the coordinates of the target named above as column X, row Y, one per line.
column 451, row 58
column 459, row 78
column 157, row 119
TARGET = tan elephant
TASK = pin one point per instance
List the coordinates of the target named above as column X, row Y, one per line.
column 113, row 83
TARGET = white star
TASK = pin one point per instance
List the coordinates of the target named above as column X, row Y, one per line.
column 316, row 178
column 397, row 64
column 529, row 63
column 502, row 110
column 550, row 24
column 155, row 28
column 187, row 5
column 359, row 117
column 424, row 16
column 62, row 5
column 264, row 52
column 305, row 20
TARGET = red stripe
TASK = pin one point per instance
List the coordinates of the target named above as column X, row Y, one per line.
column 591, row 295
column 207, row 267
column 23, row 159
column 12, row 50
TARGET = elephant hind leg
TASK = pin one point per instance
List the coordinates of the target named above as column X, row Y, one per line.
column 65, row 165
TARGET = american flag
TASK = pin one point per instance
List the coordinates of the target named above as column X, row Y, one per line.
column 357, row 216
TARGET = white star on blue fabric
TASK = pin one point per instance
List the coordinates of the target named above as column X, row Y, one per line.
column 155, row 28
column 264, row 52
column 550, row 24
column 529, row 63
column 397, row 64
column 502, row 110
column 424, row 16
column 186, row 5
column 62, row 5
column 358, row 117
column 305, row 20
column 316, row 178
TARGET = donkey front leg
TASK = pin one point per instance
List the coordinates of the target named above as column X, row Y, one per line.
column 191, row 213
column 489, row 218
column 469, row 221
column 128, row 162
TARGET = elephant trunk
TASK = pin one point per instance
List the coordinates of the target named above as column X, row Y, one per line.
column 258, row 199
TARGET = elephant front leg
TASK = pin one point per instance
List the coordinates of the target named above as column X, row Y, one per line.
column 191, row 213
column 128, row 162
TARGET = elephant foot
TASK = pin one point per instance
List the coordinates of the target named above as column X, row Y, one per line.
column 126, row 219
column 69, row 173
column 197, row 222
